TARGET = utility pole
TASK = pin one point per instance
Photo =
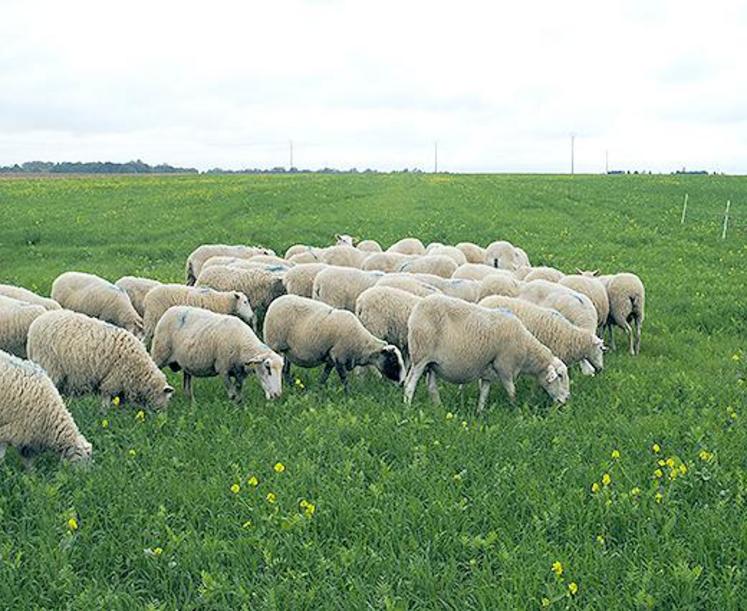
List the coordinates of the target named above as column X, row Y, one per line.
column 435, row 157
column 606, row 162
column 573, row 153
column 291, row 154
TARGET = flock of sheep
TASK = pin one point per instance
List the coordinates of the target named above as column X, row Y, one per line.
column 460, row 313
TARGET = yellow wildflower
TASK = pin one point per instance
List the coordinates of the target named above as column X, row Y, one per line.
column 661, row 463
column 705, row 455
column 600, row 539
column 557, row 568
column 104, row 424
column 253, row 481
column 157, row 551
column 132, row 453
column 656, row 448
column 659, row 497
column 449, row 416
column 72, row 524
column 464, row 424
column 670, row 462
column 674, row 473
column 115, row 401
column 615, row 454
column 279, row 467
column 573, row 588
column 307, row 507
column 546, row 602
column 658, row 473
column 235, row 488
column 735, row 357
column 457, row 477
column 606, row 479
column 271, row 497
column 140, row 416
column 299, row 383
column 683, row 469
column 595, row 487
column 635, row 491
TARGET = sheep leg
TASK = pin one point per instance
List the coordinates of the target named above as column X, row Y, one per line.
column 433, row 387
column 611, row 330
column 637, row 335
column 27, row 458
column 328, row 367
column 411, row 381
column 631, row 339
column 230, row 384
column 188, row 386
column 287, row 377
column 342, row 372
column 508, row 384
column 484, row 392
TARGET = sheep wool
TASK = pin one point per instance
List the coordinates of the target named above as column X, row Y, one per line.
column 15, row 319
column 199, row 255
column 409, row 283
column 407, row 246
column 479, row 271
column 594, row 289
column 369, row 246
column 385, row 261
column 22, row 294
column 136, row 289
column 339, row 287
column 448, row 251
column 259, row 285
column 84, row 355
column 627, row 299
column 469, row 290
column 575, row 306
column 343, row 255
column 499, row 284
column 98, row 298
column 299, row 280
column 539, row 273
column 438, row 265
column 33, row 416
column 472, row 252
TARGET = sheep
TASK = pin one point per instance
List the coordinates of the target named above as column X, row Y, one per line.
column 438, row 265
column 299, row 280
column 504, row 255
column 571, row 344
column 22, row 294
column 594, row 290
column 85, row 355
column 343, row 239
column 294, row 250
column 539, row 273
column 309, row 333
column 202, row 253
column 369, row 246
column 472, row 252
column 33, row 416
column 448, row 251
column 461, row 342
column 407, row 246
column 343, row 256
column 385, row 261
column 268, row 260
column 308, row 255
column 469, row 290
column 627, row 299
column 136, row 289
column 409, row 283
column 499, row 284
column 99, row 298
column 478, row 271
column 15, row 319
column 576, row 307
column 202, row 343
column 384, row 311
column 161, row 298
column 260, row 286
column 339, row 287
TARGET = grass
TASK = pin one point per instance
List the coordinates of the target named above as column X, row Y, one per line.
column 416, row 507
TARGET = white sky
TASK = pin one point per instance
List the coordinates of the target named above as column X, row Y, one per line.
column 500, row 85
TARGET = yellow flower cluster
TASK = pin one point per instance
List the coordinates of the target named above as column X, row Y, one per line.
column 115, row 401
column 271, row 497
column 307, row 507
column 72, row 524
column 279, row 467
column 705, row 455
column 235, row 488
column 140, row 416
column 557, row 568
column 299, row 383
column 253, row 481
column 572, row 586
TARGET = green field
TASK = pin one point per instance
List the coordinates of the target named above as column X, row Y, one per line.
column 418, row 507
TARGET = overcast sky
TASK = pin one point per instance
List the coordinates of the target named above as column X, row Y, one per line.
column 500, row 85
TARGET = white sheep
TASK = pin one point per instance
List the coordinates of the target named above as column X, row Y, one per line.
column 472, row 252
column 575, row 306
column 407, row 246
column 527, row 274
column 384, row 311
column 499, row 284
column 339, row 287
column 438, row 265
column 33, row 416
column 385, row 261
column 309, row 333
column 15, row 319
column 86, row 355
column 137, row 288
column 469, row 290
column 202, row 343
column 448, row 251
column 479, row 271
column 461, row 342
column 627, row 299
column 343, row 239
column 202, row 253
column 369, row 246
column 504, row 255
column 99, row 298
column 299, row 280
column 259, row 285
column 294, row 250
column 22, row 294
column 161, row 298
column 343, row 256
column 571, row 344
column 409, row 283
column 594, row 289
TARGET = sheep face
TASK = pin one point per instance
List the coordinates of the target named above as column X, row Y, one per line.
column 269, row 372
column 243, row 310
column 159, row 398
column 555, row 381
column 595, row 357
column 136, row 328
column 344, row 240
column 389, row 362
column 78, row 453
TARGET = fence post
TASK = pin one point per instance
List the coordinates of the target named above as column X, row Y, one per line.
column 684, row 210
column 726, row 219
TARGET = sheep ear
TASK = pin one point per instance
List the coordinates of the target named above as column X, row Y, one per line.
column 167, row 390
column 552, row 374
column 598, row 341
column 595, row 272
column 237, row 295
column 579, row 271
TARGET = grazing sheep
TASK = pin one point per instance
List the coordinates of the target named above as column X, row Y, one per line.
column 309, row 255
column 627, row 299
column 594, row 289
column 409, row 283
column 33, row 416
column 202, row 253
column 85, row 355
column 99, row 298
column 294, row 250
column 388, row 262
column 472, row 252
column 299, row 280
column 407, row 246
column 479, row 271
column 575, row 306
column 268, row 260
column 309, row 333
column 539, row 273
column 343, row 256
column 469, row 290
column 339, row 287
column 136, row 289
column 259, row 285
column 343, row 239
column 22, row 294
column 448, row 251
column 15, row 319
column 384, row 311
column 202, row 343
column 504, row 255
column 163, row 297
column 499, row 284
column 438, row 265
column 461, row 342
column 369, row 246
column 571, row 344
